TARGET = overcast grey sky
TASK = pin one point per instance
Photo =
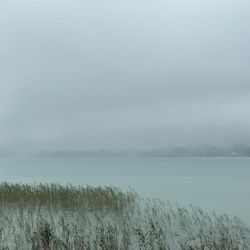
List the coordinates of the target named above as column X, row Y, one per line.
column 124, row 74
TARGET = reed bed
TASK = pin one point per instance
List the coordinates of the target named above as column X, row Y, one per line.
column 71, row 197
column 48, row 217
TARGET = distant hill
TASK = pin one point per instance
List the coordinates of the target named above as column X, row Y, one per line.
column 240, row 150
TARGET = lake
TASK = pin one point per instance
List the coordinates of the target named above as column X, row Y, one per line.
column 215, row 184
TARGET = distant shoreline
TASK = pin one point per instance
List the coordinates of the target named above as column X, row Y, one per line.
column 201, row 151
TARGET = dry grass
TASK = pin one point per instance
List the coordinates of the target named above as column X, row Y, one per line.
column 52, row 217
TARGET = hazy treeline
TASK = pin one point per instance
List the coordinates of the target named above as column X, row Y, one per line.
column 241, row 150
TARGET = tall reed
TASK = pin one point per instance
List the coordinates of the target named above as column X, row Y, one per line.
column 55, row 217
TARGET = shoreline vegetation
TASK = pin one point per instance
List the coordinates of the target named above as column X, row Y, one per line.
column 240, row 150
column 52, row 216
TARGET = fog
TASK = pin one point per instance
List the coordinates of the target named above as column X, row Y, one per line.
column 124, row 74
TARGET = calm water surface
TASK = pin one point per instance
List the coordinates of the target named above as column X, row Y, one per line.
column 219, row 184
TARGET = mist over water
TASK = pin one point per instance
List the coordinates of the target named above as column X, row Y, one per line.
column 120, row 92
column 123, row 74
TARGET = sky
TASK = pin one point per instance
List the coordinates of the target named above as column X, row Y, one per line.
column 124, row 74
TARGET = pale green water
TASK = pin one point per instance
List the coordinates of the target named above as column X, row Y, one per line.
column 220, row 184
